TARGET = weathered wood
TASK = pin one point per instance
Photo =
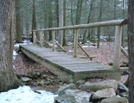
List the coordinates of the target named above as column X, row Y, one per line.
column 124, row 51
column 60, row 46
column 91, row 25
column 40, row 38
column 46, row 43
column 34, row 37
column 53, row 39
column 67, row 67
column 117, row 48
column 75, row 43
column 85, row 52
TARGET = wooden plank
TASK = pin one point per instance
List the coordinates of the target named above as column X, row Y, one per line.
column 59, row 63
column 117, row 48
column 91, row 25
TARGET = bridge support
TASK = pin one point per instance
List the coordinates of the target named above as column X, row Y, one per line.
column 53, row 38
column 40, row 38
column 117, row 47
column 34, row 33
column 75, row 43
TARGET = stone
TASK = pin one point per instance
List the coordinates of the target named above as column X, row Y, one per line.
column 42, row 82
column 102, row 94
column 115, row 100
column 80, row 96
column 79, row 82
column 62, row 89
column 65, row 99
column 94, row 86
column 122, row 87
column 25, row 79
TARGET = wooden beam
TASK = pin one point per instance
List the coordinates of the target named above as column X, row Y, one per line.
column 53, row 39
column 117, row 47
column 124, row 51
column 60, row 46
column 40, row 38
column 91, row 25
column 85, row 52
column 34, row 37
column 75, row 42
column 47, row 43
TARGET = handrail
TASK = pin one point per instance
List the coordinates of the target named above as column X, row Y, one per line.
column 118, row 36
column 90, row 25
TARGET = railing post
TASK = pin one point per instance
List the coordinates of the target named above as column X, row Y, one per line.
column 75, row 42
column 117, row 47
column 34, row 33
column 40, row 38
column 53, row 39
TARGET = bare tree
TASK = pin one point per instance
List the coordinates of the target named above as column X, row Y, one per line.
column 78, row 11
column 131, row 49
column 18, row 21
column 99, row 19
column 7, row 77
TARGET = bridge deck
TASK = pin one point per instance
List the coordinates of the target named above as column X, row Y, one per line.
column 67, row 67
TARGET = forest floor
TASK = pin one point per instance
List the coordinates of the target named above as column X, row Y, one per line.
column 24, row 66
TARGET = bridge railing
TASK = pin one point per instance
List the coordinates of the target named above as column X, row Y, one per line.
column 118, row 36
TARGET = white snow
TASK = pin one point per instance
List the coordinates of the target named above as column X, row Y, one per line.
column 70, row 51
column 25, row 94
column 85, row 46
column 14, row 54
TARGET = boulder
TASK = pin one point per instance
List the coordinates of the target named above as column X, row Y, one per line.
column 102, row 94
column 65, row 99
column 122, row 87
column 115, row 100
column 62, row 89
column 80, row 96
column 94, row 86
column 25, row 79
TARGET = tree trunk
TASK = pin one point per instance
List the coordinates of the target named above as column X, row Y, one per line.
column 46, row 21
column 72, row 20
column 115, row 6
column 78, row 12
column 131, row 49
column 7, row 76
column 60, row 37
column 50, row 18
column 18, row 22
column 34, row 21
column 88, row 20
column 99, row 28
column 64, row 23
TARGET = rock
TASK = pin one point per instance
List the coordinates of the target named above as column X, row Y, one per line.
column 25, row 79
column 65, row 99
column 42, row 82
column 62, row 89
column 79, row 82
column 102, row 94
column 94, row 86
column 115, row 100
column 34, row 75
column 122, row 87
column 80, row 96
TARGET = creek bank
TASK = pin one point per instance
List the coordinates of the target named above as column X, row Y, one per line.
column 102, row 91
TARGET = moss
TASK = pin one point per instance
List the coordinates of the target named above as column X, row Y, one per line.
column 110, row 63
column 16, row 84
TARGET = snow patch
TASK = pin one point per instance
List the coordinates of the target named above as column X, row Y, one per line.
column 70, row 51
column 25, row 94
column 85, row 46
column 14, row 54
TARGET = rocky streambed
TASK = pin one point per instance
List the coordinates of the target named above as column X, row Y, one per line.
column 88, row 90
column 104, row 91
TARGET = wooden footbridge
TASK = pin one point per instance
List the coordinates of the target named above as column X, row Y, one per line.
column 70, row 68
